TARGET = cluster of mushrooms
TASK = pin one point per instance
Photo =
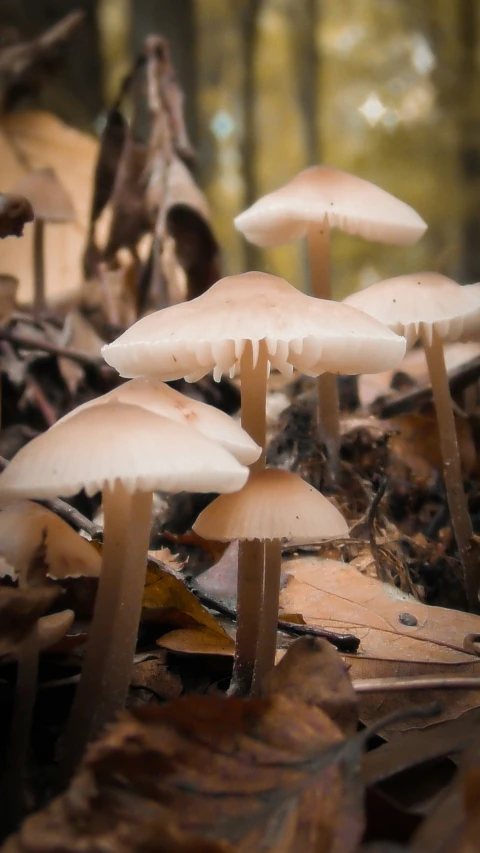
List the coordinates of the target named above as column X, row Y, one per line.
column 144, row 436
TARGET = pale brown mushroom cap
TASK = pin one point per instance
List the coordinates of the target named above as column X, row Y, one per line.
column 209, row 333
column 324, row 193
column 119, row 442
column 24, row 525
column 48, row 197
column 410, row 304
column 274, row 504
column 157, row 397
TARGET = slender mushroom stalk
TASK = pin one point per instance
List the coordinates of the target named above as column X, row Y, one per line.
column 38, row 266
column 267, row 640
column 107, row 667
column 452, row 470
column 318, row 241
column 251, row 555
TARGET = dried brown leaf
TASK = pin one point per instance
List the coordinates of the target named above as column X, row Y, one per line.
column 208, row 773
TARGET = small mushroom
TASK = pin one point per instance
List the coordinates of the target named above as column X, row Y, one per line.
column 126, row 452
column 433, row 308
column 309, row 206
column 273, row 507
column 156, row 396
column 51, row 204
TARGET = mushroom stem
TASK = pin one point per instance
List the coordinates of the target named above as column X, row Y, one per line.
column 327, row 387
column 452, row 470
column 253, row 377
column 267, row 637
column 38, row 265
column 329, row 419
column 318, row 240
column 107, row 667
column 251, row 560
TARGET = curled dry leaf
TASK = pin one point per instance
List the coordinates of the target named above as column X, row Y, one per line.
column 398, row 635
column 207, row 773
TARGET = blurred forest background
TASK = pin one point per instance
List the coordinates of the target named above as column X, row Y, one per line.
column 386, row 89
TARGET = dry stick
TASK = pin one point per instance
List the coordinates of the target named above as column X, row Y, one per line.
column 38, row 265
column 327, row 385
column 250, row 554
column 267, row 638
column 108, row 662
column 452, row 469
column 52, row 349
column 433, row 682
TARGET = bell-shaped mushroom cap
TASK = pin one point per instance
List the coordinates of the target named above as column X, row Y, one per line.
column 274, row 504
column 24, row 525
column 154, row 395
column 210, row 332
column 48, row 197
column 345, row 201
column 117, row 441
column 410, row 304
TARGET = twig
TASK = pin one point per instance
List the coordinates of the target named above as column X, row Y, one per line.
column 52, row 349
column 371, row 515
column 343, row 642
column 433, row 682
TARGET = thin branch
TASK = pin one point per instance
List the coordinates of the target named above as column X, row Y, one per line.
column 52, row 349
column 398, row 685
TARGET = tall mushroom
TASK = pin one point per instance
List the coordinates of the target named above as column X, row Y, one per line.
column 126, row 452
column 243, row 325
column 51, row 204
column 273, row 507
column 309, row 206
column 430, row 307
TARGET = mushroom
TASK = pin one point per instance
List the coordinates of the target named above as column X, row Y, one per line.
column 274, row 506
column 156, row 396
column 244, row 324
column 433, row 308
column 126, row 452
column 310, row 205
column 51, row 204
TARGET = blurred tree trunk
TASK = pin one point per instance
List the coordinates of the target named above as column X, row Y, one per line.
column 75, row 94
column 469, row 136
column 305, row 19
column 175, row 21
column 248, row 19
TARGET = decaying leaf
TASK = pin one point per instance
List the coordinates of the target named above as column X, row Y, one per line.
column 81, row 336
column 398, row 635
column 207, row 773
column 198, row 641
column 166, row 600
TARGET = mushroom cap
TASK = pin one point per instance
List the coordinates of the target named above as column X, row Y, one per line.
column 421, row 302
column 274, row 504
column 48, row 197
column 119, row 442
column 210, row 332
column 159, row 398
column 22, row 528
column 324, row 193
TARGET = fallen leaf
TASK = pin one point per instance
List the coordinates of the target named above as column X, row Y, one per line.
column 399, row 636
column 167, row 601
column 223, row 774
column 197, row 641
column 81, row 336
